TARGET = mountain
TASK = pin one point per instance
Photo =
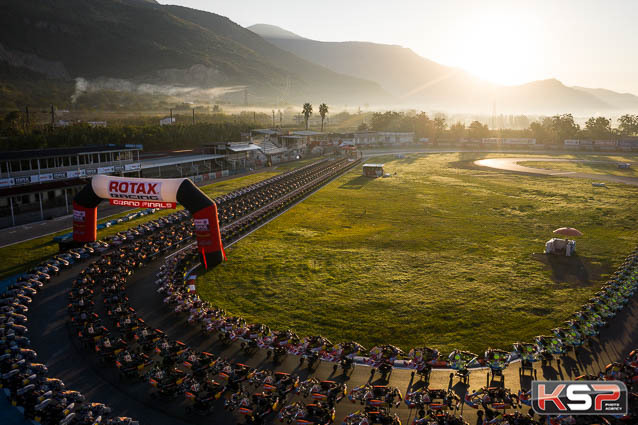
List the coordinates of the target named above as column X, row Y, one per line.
column 625, row 101
column 536, row 95
column 420, row 82
column 139, row 45
column 273, row 31
column 142, row 1
column 397, row 69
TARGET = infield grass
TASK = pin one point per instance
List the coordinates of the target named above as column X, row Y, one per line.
column 442, row 254
column 587, row 167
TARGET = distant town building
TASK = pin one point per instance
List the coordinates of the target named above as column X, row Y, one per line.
column 383, row 138
column 167, row 121
column 625, row 144
column 393, row 138
column 508, row 141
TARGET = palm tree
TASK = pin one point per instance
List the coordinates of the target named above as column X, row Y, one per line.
column 323, row 111
column 307, row 111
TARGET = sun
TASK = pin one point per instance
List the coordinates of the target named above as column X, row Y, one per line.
column 501, row 49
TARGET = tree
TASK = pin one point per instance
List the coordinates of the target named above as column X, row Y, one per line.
column 423, row 125
column 363, row 127
column 598, row 127
column 13, row 124
column 440, row 126
column 323, row 111
column 539, row 131
column 457, row 131
column 628, row 125
column 563, row 127
column 478, row 130
column 307, row 111
column 390, row 121
column 520, row 122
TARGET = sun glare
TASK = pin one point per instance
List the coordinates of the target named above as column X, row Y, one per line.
column 501, row 49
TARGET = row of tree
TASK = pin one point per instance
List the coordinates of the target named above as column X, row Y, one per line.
column 15, row 134
column 153, row 137
column 553, row 129
column 307, row 112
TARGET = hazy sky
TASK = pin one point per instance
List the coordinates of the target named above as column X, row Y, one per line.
column 593, row 43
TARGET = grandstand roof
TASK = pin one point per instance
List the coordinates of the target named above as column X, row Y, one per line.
column 265, row 131
column 45, row 153
column 243, row 147
column 307, row 133
column 175, row 160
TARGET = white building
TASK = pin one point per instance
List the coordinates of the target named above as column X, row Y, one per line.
column 383, row 138
column 394, row 138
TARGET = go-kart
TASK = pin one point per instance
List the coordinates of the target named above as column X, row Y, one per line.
column 528, row 353
column 329, row 392
column 496, row 360
column 496, row 398
column 203, row 394
column 380, row 416
column 432, row 399
column 549, row 346
column 343, row 355
column 382, row 359
column 423, row 359
column 460, row 361
column 307, row 414
column 376, row 395
column 280, row 382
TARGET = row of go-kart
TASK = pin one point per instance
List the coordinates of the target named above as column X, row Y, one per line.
column 585, row 325
column 25, row 381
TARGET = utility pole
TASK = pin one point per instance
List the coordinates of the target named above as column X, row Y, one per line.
column 27, row 111
column 281, row 118
column 273, row 118
column 52, row 116
column 193, row 116
column 171, row 116
column 254, row 117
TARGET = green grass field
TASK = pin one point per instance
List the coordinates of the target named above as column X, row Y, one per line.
column 587, row 167
column 442, row 254
column 22, row 256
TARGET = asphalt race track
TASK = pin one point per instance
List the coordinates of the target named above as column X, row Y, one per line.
column 59, row 349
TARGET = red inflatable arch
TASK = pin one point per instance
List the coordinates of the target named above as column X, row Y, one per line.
column 150, row 193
